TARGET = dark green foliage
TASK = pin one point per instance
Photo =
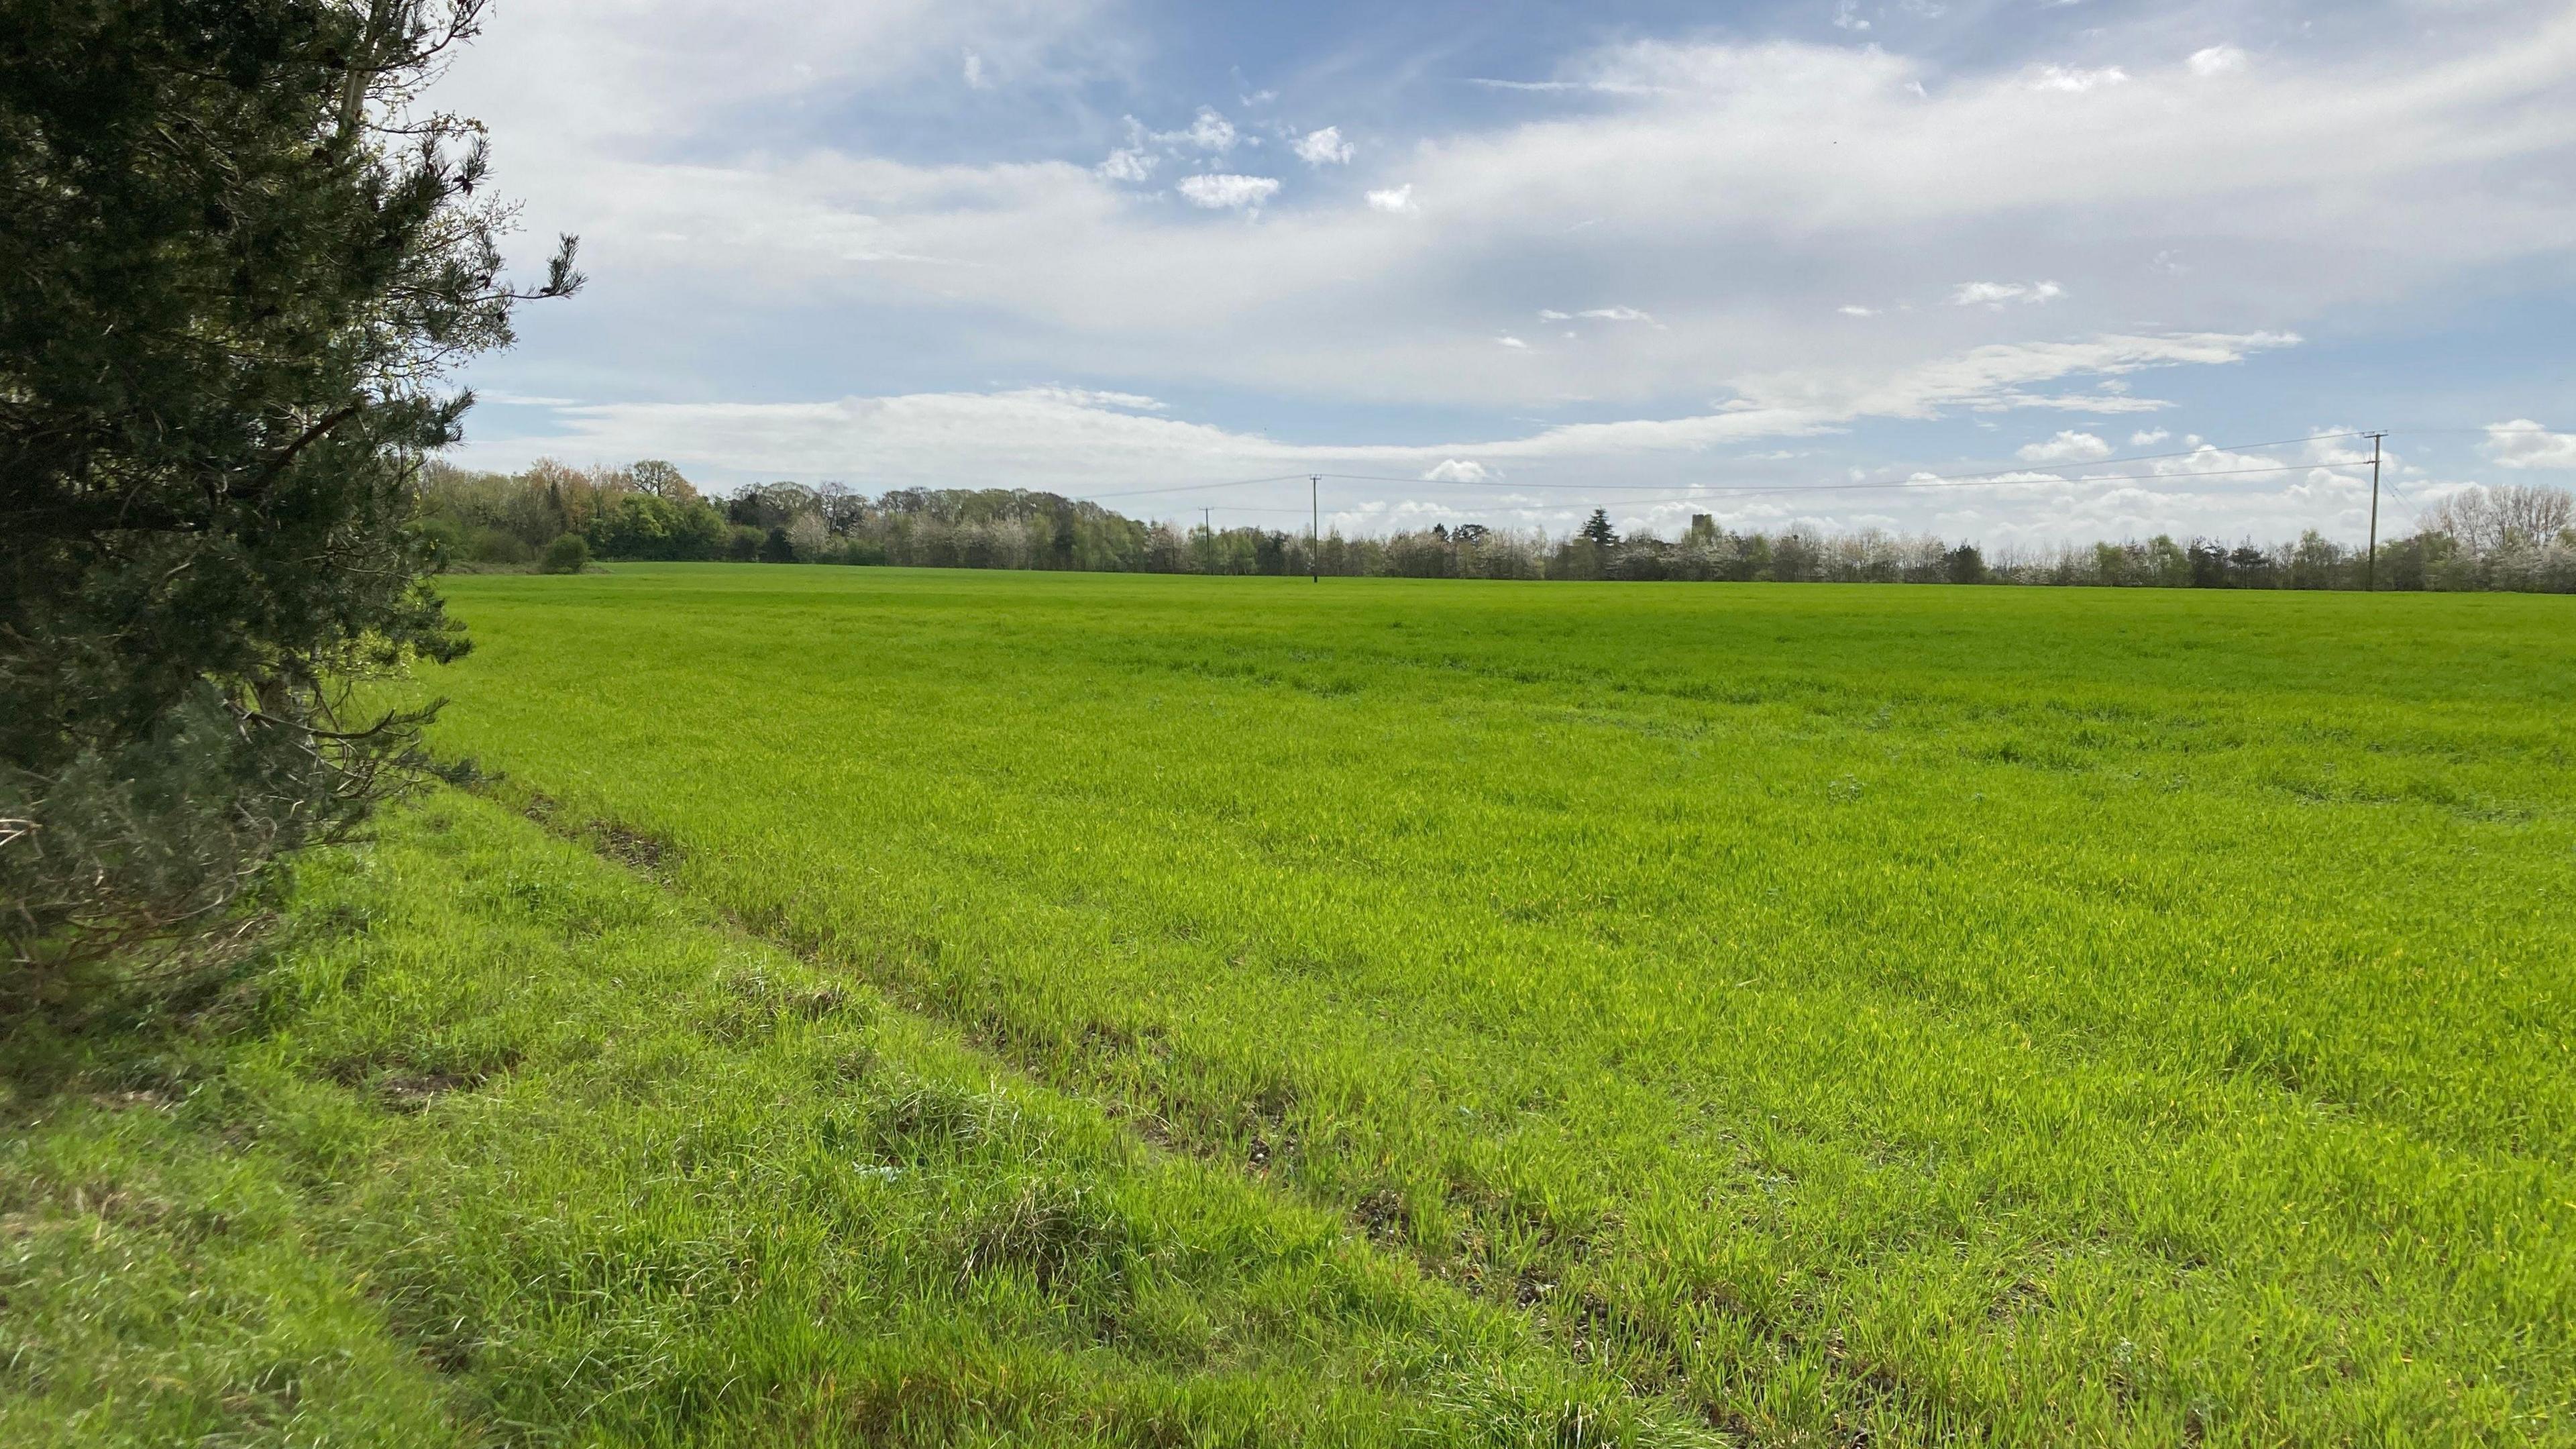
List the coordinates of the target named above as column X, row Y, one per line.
column 645, row 527
column 1965, row 565
column 158, row 839
column 776, row 549
column 770, row 505
column 2208, row 565
column 566, row 555
column 228, row 289
column 647, row 511
column 1598, row 532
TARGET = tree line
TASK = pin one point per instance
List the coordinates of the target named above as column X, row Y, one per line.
column 2494, row 538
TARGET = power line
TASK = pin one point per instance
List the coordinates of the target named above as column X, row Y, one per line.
column 2000, row 477
column 1252, row 508
column 1705, row 492
column 1195, row 487
column 1703, row 495
column 1600, row 487
column 2007, row 482
column 1916, row 480
column 1993, row 480
column 2191, row 452
column 2535, row 428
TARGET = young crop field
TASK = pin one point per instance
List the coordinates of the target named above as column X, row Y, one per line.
column 1471, row 1011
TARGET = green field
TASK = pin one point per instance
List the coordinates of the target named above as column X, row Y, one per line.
column 1241, row 1010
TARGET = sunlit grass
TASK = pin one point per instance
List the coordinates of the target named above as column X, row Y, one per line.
column 2094, row 1014
column 1154, row 1010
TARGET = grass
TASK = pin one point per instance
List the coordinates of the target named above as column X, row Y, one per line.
column 506, row 1146
column 1822, row 1014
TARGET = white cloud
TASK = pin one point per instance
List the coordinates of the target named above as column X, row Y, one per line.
column 975, row 77
column 1599, row 314
column 2217, row 60
column 1219, row 190
column 1847, row 15
column 1857, row 311
column 1073, row 438
column 1591, row 87
column 1211, row 131
column 2148, row 437
column 1087, row 397
column 2075, row 81
column 1995, row 294
column 2342, row 447
column 690, row 147
column 1080, row 442
column 1323, row 148
column 2523, row 443
column 1509, row 341
column 2068, row 446
column 1459, row 470
column 1128, row 164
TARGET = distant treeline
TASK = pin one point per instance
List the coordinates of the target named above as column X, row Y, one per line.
column 2517, row 538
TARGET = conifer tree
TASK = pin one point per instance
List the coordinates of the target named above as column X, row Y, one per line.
column 238, row 258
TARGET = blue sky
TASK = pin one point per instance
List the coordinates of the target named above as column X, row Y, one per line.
column 1507, row 261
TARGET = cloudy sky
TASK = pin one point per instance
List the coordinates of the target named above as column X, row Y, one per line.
column 1507, row 260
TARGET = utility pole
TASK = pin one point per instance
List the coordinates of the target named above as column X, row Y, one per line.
column 1314, row 527
column 2370, row 566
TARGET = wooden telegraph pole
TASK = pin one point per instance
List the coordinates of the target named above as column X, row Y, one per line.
column 2370, row 561
column 1314, row 527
